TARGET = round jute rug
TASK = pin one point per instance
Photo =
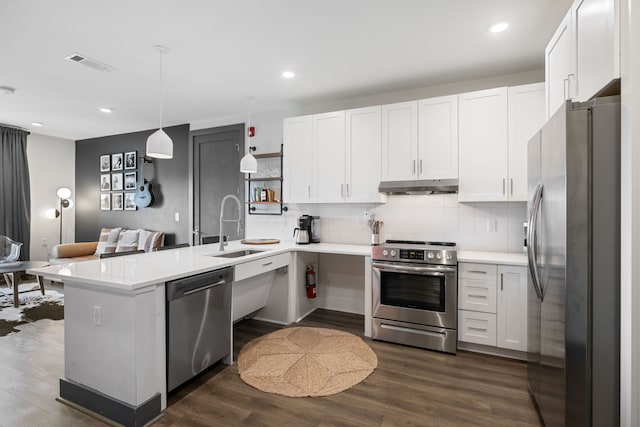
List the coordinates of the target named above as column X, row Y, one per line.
column 298, row 362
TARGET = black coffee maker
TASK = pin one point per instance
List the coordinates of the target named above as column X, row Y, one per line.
column 312, row 225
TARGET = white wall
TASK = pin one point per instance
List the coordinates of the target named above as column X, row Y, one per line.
column 51, row 166
column 437, row 217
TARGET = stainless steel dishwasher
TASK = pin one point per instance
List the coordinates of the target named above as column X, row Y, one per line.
column 198, row 324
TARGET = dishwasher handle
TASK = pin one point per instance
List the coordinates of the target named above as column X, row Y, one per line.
column 184, row 287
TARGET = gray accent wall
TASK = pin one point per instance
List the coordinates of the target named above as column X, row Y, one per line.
column 169, row 183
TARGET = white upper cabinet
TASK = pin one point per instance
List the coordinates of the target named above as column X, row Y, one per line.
column 525, row 118
column 400, row 141
column 329, row 157
column 297, row 159
column 363, row 165
column 483, row 145
column 333, row 157
column 559, row 67
column 596, row 32
column 438, row 138
column 583, row 56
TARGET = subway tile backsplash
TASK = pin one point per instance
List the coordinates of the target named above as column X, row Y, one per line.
column 433, row 217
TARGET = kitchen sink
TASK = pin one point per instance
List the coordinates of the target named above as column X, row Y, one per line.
column 237, row 254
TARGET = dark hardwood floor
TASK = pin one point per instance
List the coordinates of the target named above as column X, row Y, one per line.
column 410, row 387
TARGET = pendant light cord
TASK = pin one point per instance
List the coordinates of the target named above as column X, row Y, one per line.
column 161, row 86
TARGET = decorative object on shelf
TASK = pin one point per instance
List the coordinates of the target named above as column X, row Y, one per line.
column 265, row 191
column 375, row 226
column 159, row 145
column 105, row 163
column 143, row 196
column 130, row 159
column 64, row 194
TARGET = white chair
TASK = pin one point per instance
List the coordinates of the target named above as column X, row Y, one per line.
column 9, row 250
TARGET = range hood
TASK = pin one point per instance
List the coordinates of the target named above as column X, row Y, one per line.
column 424, row 186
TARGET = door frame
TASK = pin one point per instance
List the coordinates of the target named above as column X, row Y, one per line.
column 191, row 168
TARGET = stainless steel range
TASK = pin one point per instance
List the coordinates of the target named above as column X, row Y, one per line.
column 415, row 293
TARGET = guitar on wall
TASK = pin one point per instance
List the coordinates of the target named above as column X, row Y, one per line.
column 144, row 197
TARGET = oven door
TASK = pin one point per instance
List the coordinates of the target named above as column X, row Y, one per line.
column 415, row 293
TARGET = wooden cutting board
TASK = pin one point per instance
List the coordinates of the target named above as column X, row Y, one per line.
column 259, row 241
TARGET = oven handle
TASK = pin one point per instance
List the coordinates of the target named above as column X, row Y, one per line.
column 431, row 271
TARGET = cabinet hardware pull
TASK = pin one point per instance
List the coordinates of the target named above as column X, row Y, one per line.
column 565, row 88
column 511, row 186
column 309, row 191
column 477, row 329
column 504, row 190
column 414, row 168
column 348, row 194
column 478, row 296
column 477, row 271
column 341, row 190
column 501, row 281
column 267, row 263
column 420, row 166
column 570, row 77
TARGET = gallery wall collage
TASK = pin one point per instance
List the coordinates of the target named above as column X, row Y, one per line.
column 118, row 181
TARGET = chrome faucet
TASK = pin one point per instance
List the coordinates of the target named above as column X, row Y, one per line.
column 224, row 199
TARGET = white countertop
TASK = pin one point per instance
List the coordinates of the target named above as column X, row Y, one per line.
column 503, row 258
column 139, row 270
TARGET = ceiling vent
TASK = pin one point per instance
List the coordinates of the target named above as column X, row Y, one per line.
column 89, row 62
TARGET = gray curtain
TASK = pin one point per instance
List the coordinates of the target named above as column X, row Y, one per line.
column 15, row 196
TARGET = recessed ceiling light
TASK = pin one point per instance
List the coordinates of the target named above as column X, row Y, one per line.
column 288, row 74
column 499, row 27
column 106, row 110
column 37, row 124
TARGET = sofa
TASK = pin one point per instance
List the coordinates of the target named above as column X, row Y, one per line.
column 110, row 240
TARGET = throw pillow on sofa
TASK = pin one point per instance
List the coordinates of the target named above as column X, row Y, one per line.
column 107, row 242
column 150, row 240
column 128, row 240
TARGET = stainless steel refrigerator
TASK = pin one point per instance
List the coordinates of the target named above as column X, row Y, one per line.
column 573, row 245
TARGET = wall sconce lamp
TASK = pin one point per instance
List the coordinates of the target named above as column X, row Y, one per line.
column 64, row 195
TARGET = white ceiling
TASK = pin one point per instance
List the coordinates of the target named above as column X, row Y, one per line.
column 222, row 51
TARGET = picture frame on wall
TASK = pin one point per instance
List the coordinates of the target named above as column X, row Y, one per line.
column 105, row 182
column 130, row 159
column 116, row 182
column 105, row 202
column 117, row 162
column 130, row 202
column 105, row 163
column 130, row 181
column 117, row 201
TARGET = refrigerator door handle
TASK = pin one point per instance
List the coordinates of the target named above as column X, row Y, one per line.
column 532, row 240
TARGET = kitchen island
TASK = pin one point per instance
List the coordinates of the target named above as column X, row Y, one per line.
column 115, row 316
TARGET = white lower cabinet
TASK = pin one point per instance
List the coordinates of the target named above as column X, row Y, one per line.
column 492, row 305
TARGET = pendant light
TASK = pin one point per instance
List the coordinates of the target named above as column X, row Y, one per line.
column 249, row 164
column 159, row 145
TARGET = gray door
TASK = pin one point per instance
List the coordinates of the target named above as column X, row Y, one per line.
column 216, row 173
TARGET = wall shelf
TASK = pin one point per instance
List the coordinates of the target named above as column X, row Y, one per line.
column 264, row 190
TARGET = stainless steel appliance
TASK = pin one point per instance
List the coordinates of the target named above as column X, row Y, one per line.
column 415, row 293
column 573, row 245
column 198, row 324
column 307, row 230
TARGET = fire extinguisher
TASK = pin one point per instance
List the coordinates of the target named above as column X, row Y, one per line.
column 311, row 282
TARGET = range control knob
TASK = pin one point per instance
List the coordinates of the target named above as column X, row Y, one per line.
column 439, row 255
column 448, row 256
column 430, row 255
column 385, row 252
column 393, row 253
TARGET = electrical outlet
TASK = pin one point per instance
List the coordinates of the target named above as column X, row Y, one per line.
column 97, row 315
column 176, row 217
column 492, row 225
